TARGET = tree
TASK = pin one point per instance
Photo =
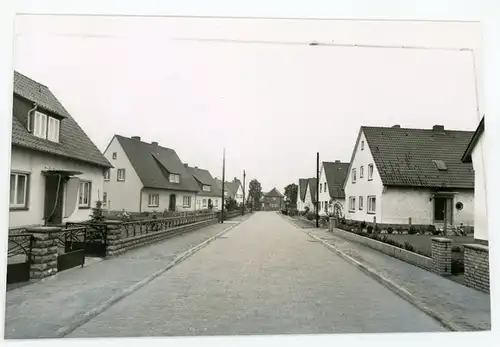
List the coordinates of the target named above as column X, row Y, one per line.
column 231, row 204
column 97, row 216
column 291, row 193
column 255, row 191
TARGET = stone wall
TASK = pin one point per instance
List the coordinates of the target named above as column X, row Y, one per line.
column 476, row 267
column 441, row 256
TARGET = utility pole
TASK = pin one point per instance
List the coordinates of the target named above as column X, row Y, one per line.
column 244, row 176
column 317, row 190
column 223, row 183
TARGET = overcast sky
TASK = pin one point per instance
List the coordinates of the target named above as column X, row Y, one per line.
column 272, row 106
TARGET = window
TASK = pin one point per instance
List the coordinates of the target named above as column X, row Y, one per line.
column 84, row 194
column 370, row 172
column 371, row 204
column 204, row 202
column 353, row 175
column 352, row 204
column 120, row 175
column 104, row 198
column 18, row 190
column 360, row 202
column 216, row 203
column 320, row 187
column 207, row 188
column 186, row 201
column 362, row 145
column 114, row 155
column 40, row 125
column 324, row 188
column 106, row 175
column 45, row 127
column 154, row 200
column 361, row 172
column 174, row 178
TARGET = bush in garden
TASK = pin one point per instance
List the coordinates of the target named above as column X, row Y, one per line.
column 310, row 216
column 456, row 249
column 363, row 225
column 399, row 229
column 377, row 228
column 369, row 229
column 412, row 230
column 390, row 230
column 409, row 247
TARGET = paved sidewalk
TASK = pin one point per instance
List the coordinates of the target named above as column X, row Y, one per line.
column 462, row 307
column 47, row 307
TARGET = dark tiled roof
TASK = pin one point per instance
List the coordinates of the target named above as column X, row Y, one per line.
column 203, row 177
column 233, row 187
column 73, row 142
column 153, row 163
column 227, row 189
column 312, row 188
column 336, row 174
column 466, row 157
column 404, row 157
column 302, row 188
column 274, row 193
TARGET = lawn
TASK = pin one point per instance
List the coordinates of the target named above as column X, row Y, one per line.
column 423, row 243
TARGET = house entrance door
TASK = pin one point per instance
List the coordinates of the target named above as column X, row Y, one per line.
column 54, row 188
column 172, row 203
column 443, row 209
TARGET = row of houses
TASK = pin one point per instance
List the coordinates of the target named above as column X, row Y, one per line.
column 58, row 173
column 405, row 176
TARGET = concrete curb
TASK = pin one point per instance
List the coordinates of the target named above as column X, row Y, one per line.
column 400, row 291
column 63, row 331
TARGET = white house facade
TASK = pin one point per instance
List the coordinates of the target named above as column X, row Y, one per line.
column 56, row 170
column 400, row 176
column 475, row 154
column 301, row 193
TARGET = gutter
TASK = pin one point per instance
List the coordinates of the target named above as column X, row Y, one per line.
column 140, row 199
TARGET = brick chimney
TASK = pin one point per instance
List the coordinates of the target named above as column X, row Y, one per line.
column 396, row 126
column 337, row 161
column 138, row 138
column 438, row 129
column 185, row 165
column 154, row 143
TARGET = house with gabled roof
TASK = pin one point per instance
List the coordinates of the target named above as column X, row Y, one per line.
column 310, row 196
column 209, row 195
column 397, row 174
column 147, row 177
column 236, row 189
column 56, row 169
column 272, row 200
column 301, row 194
column 474, row 154
column 331, row 187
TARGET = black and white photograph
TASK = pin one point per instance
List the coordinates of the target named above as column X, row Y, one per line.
column 201, row 176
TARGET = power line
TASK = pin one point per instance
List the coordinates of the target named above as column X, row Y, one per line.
column 313, row 43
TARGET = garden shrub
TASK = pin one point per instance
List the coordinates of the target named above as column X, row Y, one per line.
column 310, row 216
column 456, row 249
column 409, row 247
column 377, row 228
column 399, row 229
column 390, row 230
column 369, row 229
column 363, row 225
column 412, row 230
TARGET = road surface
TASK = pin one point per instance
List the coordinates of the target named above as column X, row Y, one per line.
column 265, row 276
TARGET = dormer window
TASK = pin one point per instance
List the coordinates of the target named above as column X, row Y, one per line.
column 174, row 178
column 45, row 127
column 207, row 188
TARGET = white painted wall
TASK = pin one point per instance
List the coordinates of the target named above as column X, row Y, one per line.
column 239, row 195
column 324, row 195
column 33, row 163
column 398, row 204
column 363, row 187
column 164, row 199
column 308, row 200
column 300, row 203
column 480, row 208
column 216, row 202
column 122, row 195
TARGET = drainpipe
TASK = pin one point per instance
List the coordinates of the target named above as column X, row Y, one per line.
column 35, row 106
column 140, row 199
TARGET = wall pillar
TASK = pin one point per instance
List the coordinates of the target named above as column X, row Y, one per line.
column 477, row 267
column 441, row 255
column 44, row 251
column 113, row 229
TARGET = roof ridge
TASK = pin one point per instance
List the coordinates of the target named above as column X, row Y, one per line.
column 422, row 129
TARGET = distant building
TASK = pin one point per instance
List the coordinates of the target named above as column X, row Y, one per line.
column 273, row 200
column 331, row 187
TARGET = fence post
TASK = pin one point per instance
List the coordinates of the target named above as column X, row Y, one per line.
column 44, row 251
column 441, row 255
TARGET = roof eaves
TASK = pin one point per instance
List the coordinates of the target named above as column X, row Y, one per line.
column 466, row 157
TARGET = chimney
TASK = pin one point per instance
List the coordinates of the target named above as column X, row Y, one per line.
column 196, row 167
column 337, row 161
column 154, row 143
column 396, row 126
column 185, row 165
column 138, row 138
column 438, row 128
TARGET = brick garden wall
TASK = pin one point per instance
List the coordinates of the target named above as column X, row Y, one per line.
column 476, row 267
